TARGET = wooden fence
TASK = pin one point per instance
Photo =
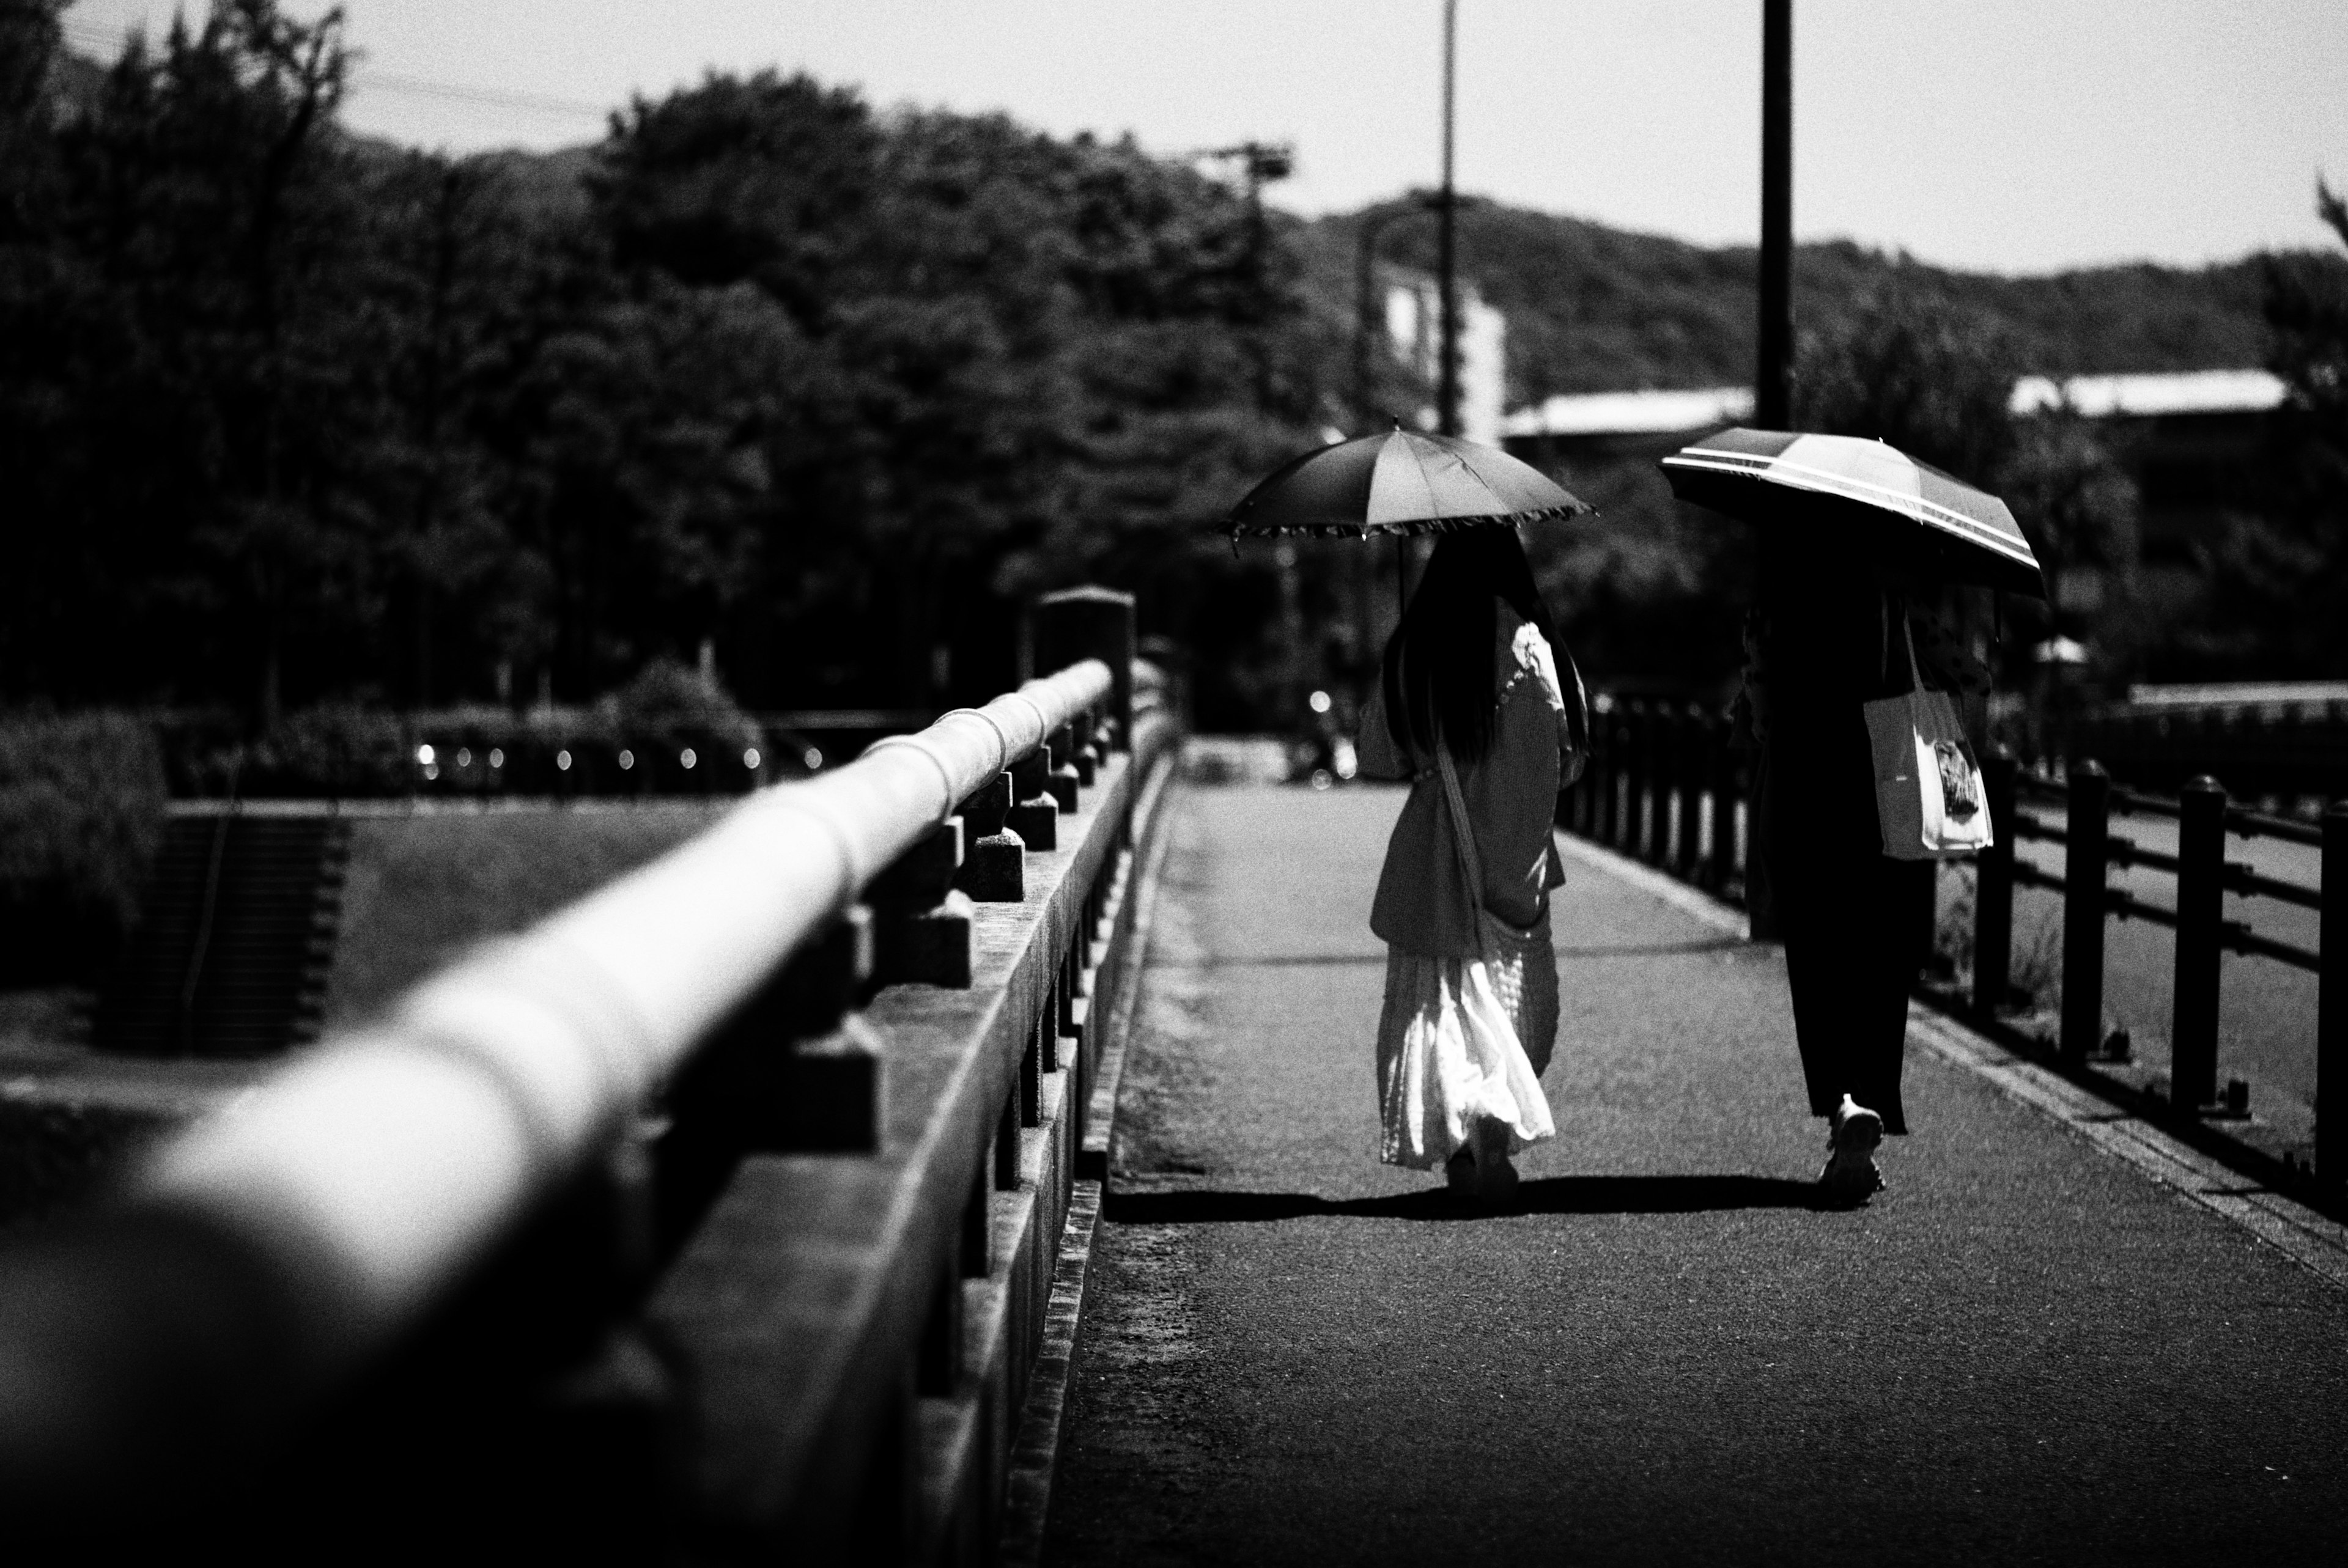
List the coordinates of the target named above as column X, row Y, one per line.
column 1665, row 787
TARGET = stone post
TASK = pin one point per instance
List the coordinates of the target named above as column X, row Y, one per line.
column 1089, row 623
column 995, row 858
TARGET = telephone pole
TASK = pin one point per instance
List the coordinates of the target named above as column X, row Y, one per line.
column 1772, row 375
column 1447, row 379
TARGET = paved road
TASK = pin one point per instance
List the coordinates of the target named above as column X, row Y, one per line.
column 2024, row 1352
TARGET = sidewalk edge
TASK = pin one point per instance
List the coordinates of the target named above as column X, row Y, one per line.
column 1036, row 1440
column 2307, row 1238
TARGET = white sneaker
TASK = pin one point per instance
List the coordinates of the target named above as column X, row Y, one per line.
column 1853, row 1133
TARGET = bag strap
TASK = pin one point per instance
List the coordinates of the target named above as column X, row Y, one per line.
column 1464, row 837
column 1907, row 635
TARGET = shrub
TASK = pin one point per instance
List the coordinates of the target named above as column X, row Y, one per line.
column 664, row 698
column 328, row 752
column 81, row 817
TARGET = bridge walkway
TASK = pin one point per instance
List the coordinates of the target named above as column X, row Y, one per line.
column 2026, row 1350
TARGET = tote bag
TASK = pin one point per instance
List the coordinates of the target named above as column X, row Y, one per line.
column 1494, row 1015
column 1930, row 797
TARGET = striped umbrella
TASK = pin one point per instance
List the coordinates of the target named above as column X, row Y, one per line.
column 1864, row 496
column 1401, row 482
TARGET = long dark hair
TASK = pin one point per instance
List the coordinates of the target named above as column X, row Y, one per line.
column 1439, row 666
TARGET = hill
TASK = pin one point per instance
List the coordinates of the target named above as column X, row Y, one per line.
column 1594, row 309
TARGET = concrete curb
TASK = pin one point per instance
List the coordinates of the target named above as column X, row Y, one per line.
column 1035, row 1446
column 2307, row 1238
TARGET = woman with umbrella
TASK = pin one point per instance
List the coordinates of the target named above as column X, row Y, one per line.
column 1856, row 537
column 1479, row 706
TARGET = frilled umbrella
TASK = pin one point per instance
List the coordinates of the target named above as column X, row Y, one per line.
column 1864, row 496
column 1400, row 482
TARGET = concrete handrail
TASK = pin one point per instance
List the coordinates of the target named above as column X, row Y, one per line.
column 373, row 1173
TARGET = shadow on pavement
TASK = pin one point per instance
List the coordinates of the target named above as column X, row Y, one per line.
column 1548, row 1195
column 1620, row 950
column 1656, row 949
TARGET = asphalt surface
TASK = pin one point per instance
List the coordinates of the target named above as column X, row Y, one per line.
column 2023, row 1351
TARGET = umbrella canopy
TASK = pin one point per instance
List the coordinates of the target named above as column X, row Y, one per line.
column 1401, row 482
column 1863, row 496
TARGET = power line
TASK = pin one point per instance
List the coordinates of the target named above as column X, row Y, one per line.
column 365, row 80
column 495, row 97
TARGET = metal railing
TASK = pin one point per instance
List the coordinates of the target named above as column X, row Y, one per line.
column 1665, row 786
column 793, row 1112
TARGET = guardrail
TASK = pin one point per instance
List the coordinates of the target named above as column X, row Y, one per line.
column 1665, row 787
column 713, row 1217
column 2204, row 877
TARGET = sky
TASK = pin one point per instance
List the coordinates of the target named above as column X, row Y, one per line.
column 2013, row 136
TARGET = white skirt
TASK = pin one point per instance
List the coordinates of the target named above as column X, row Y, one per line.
column 1462, row 1039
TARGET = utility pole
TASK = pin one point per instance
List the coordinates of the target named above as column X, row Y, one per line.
column 1771, row 409
column 1260, row 162
column 1446, row 381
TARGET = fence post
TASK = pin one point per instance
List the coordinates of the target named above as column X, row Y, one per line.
column 1696, row 737
column 1723, row 870
column 1655, row 812
column 2086, row 830
column 1628, row 830
column 1664, row 775
column 2331, row 1003
column 1609, row 825
column 2201, row 929
column 1993, row 891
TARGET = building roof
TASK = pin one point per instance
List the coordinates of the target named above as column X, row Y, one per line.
column 1631, row 413
column 2145, row 396
column 1662, row 412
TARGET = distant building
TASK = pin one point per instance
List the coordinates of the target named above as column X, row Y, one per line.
column 2189, row 439
column 1597, row 425
column 2190, row 442
column 1414, row 319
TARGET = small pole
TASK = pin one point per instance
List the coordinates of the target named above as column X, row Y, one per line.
column 1447, row 384
column 1776, row 324
column 1662, row 727
column 2331, row 1002
column 2088, row 829
column 1723, row 870
column 1655, row 833
column 1695, row 758
column 2200, row 928
column 1637, row 722
column 1993, row 891
column 1600, row 779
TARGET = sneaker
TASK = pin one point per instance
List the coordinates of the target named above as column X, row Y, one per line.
column 1853, row 1133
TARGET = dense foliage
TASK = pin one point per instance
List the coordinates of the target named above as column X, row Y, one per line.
column 81, row 817
column 2281, row 576
column 292, row 417
column 1594, row 309
column 300, row 426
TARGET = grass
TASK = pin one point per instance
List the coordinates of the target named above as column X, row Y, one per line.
column 423, row 889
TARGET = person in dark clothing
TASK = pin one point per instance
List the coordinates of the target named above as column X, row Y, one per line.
column 1827, row 640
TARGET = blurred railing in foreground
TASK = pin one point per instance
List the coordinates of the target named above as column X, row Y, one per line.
column 1665, row 788
column 714, row 1218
